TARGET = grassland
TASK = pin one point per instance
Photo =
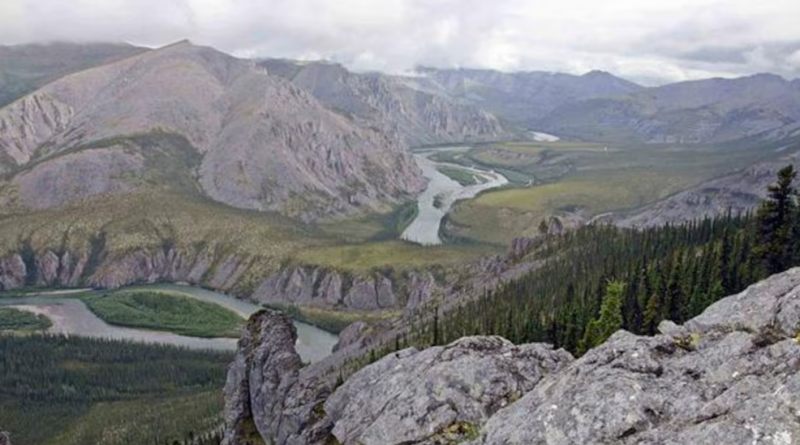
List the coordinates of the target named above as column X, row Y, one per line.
column 164, row 311
column 17, row 320
column 581, row 180
column 460, row 175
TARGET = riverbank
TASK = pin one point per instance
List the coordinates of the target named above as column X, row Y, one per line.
column 441, row 193
column 70, row 316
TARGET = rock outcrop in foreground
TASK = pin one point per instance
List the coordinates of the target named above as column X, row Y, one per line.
column 728, row 376
column 4, row 440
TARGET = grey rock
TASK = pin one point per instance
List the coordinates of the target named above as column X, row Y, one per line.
column 277, row 150
column 267, row 394
column 418, row 115
column 420, row 396
column 12, row 272
column 736, row 193
column 4, row 438
column 732, row 383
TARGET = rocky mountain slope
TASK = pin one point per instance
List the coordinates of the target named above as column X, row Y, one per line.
column 251, row 140
column 397, row 104
column 765, row 106
column 730, row 375
column 736, row 193
column 523, row 98
column 24, row 68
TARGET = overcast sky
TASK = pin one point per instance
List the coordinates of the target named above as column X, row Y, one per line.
column 650, row 41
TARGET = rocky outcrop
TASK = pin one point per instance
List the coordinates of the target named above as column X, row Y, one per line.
column 293, row 284
column 268, row 393
column 438, row 395
column 4, row 439
column 730, row 375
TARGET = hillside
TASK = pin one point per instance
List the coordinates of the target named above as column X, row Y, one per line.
column 419, row 116
column 24, row 68
column 248, row 139
column 727, row 375
column 523, row 98
column 765, row 106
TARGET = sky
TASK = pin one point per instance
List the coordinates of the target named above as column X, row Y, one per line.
column 648, row 41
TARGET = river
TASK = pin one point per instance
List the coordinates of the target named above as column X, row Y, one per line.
column 424, row 229
column 70, row 316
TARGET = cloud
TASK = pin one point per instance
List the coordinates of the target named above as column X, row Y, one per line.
column 653, row 41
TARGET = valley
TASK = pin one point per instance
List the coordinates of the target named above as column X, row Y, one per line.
column 69, row 315
column 162, row 209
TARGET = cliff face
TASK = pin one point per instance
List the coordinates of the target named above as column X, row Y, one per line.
column 730, row 375
column 300, row 285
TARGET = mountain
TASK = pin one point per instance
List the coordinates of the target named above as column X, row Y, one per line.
column 729, row 376
column 736, row 192
column 192, row 118
column 395, row 104
column 704, row 111
column 524, row 98
column 24, row 68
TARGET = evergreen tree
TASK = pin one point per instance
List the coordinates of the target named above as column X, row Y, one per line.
column 776, row 223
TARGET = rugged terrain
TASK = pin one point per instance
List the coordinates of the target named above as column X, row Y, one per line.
column 247, row 139
column 522, row 98
column 737, row 193
column 729, row 375
column 763, row 106
column 400, row 105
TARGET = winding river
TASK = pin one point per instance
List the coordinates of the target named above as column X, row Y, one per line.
column 70, row 316
column 425, row 227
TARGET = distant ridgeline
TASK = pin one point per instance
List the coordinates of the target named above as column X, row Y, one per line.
column 600, row 278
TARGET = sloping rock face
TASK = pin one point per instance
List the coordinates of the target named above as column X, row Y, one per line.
column 735, row 193
column 437, row 395
column 731, row 376
column 267, row 394
column 261, row 142
column 419, row 116
column 728, row 376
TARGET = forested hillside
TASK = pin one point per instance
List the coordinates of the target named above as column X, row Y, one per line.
column 600, row 278
column 80, row 391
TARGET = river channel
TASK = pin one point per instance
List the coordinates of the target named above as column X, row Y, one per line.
column 70, row 316
column 424, row 229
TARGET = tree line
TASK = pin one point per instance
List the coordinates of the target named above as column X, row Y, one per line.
column 600, row 278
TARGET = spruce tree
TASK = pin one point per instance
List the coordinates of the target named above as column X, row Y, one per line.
column 776, row 223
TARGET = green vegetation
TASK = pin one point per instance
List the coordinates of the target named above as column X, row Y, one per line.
column 78, row 391
column 461, row 176
column 165, row 311
column 12, row 319
column 395, row 254
column 577, row 181
column 331, row 320
column 597, row 278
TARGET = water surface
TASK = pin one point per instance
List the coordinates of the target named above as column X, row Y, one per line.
column 70, row 316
